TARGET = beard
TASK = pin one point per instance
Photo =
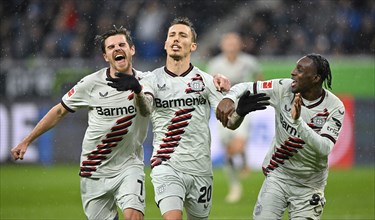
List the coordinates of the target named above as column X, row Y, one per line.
column 175, row 57
column 124, row 67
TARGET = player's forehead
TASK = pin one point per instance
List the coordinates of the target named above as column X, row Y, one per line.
column 305, row 62
column 115, row 39
column 231, row 38
column 179, row 28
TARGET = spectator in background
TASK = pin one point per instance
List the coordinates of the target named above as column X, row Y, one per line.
column 238, row 67
column 148, row 32
column 346, row 24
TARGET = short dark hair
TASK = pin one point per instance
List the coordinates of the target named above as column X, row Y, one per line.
column 187, row 22
column 99, row 39
column 322, row 68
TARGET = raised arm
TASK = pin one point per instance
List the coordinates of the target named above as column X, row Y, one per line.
column 47, row 122
column 324, row 142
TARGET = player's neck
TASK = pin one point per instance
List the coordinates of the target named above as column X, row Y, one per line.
column 113, row 71
column 313, row 94
column 178, row 67
column 231, row 57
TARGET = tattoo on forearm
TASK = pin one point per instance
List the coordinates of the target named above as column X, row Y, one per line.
column 144, row 104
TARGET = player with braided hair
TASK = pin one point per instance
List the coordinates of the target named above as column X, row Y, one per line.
column 308, row 122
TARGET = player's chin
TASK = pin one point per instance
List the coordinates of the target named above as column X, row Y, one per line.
column 123, row 67
column 175, row 56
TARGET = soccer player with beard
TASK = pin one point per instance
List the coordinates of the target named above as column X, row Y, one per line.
column 111, row 163
column 308, row 122
column 179, row 98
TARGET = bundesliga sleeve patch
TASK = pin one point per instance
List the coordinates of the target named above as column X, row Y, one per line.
column 266, row 85
column 71, row 92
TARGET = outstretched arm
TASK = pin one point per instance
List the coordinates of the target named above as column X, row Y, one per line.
column 46, row 123
column 232, row 117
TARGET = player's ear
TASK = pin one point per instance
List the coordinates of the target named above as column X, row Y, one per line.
column 132, row 50
column 317, row 78
column 105, row 57
column 193, row 47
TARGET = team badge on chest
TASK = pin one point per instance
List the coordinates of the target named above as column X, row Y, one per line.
column 196, row 85
column 319, row 120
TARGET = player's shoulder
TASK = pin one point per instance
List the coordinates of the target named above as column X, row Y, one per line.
column 274, row 83
column 151, row 75
column 98, row 75
column 93, row 79
column 248, row 57
column 141, row 74
column 333, row 99
column 216, row 59
column 158, row 71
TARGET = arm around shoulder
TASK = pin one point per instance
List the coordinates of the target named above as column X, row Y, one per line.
column 144, row 103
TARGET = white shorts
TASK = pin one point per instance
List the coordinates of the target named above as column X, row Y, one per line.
column 276, row 196
column 101, row 196
column 195, row 192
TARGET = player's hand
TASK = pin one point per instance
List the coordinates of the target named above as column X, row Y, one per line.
column 296, row 108
column 252, row 102
column 221, row 83
column 125, row 82
column 19, row 151
column 224, row 110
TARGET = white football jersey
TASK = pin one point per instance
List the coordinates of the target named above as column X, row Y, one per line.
column 115, row 132
column 180, row 118
column 301, row 148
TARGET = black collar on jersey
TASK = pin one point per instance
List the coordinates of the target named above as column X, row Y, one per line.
column 317, row 103
column 109, row 75
column 182, row 75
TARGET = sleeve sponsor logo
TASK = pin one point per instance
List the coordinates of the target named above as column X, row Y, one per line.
column 266, row 85
column 71, row 92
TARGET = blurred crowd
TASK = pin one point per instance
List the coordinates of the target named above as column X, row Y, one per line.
column 67, row 28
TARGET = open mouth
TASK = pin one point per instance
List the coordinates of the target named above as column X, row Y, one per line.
column 293, row 83
column 119, row 57
column 175, row 47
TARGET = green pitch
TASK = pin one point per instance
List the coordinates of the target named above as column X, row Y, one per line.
column 35, row 192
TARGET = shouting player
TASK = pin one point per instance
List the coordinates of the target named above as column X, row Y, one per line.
column 308, row 122
column 111, row 164
column 179, row 97
column 112, row 154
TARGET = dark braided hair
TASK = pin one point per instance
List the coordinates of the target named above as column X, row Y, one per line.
column 99, row 39
column 322, row 68
column 187, row 22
